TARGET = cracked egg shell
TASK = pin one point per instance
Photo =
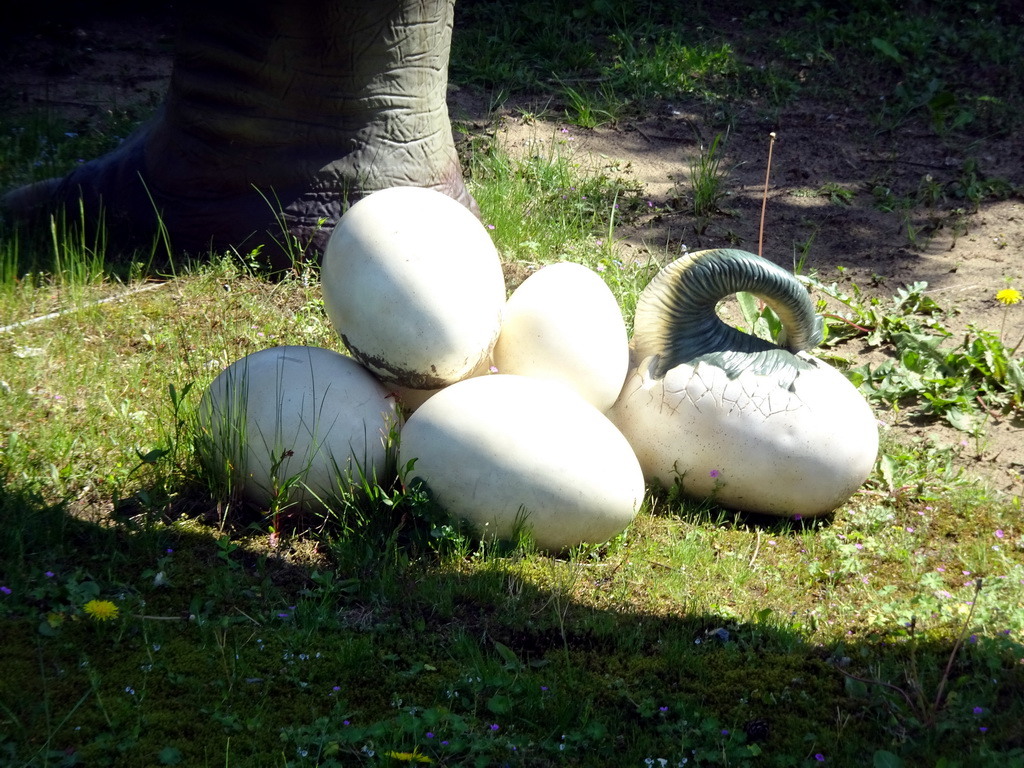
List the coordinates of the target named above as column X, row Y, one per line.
column 748, row 443
column 494, row 449
column 413, row 285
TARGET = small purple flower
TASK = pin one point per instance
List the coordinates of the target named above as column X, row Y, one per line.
column 714, row 473
column 819, row 757
column 972, row 639
column 490, row 226
column 430, row 735
column 495, row 726
column 663, row 709
column 982, row 728
column 48, row 574
column 999, row 533
column 5, row 590
column 725, row 732
column 978, row 710
column 345, row 722
column 798, row 517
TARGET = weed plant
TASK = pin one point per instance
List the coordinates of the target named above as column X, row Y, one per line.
column 890, row 632
column 964, row 382
column 922, row 61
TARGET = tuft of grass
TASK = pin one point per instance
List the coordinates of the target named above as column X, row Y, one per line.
column 915, row 58
column 546, row 207
column 537, row 205
column 707, row 180
column 590, row 109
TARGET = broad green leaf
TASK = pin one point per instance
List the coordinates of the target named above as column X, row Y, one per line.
column 170, row 756
column 964, row 420
column 887, row 48
column 499, row 704
column 885, row 759
column 748, row 308
column 506, row 653
column 887, row 466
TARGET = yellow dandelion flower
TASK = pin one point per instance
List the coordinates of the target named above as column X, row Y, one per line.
column 101, row 610
column 1008, row 296
column 408, row 757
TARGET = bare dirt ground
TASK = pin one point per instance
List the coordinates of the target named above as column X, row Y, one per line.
column 831, row 163
column 964, row 255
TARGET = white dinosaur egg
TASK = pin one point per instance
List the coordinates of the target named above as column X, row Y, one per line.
column 748, row 443
column 413, row 285
column 301, row 419
column 502, row 451
column 410, row 399
column 746, row 422
column 563, row 323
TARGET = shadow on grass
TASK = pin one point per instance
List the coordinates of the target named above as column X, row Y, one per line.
column 336, row 652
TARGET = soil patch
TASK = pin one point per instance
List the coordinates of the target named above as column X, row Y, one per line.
column 831, row 170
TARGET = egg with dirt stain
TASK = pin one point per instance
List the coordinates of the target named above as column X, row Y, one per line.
column 414, row 286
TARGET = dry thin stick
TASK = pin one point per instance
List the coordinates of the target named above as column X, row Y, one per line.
column 757, row 548
column 884, row 684
column 71, row 310
column 764, row 200
column 956, row 646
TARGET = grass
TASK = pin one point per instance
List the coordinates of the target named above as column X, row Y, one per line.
column 697, row 634
column 889, row 634
column 707, row 180
column 923, row 60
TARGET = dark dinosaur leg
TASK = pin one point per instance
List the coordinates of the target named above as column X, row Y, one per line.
column 281, row 114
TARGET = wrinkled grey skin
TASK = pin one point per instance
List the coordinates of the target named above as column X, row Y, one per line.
column 285, row 112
